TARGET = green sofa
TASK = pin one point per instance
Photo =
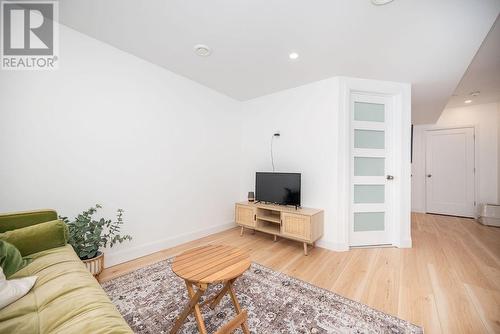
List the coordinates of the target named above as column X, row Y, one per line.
column 66, row 298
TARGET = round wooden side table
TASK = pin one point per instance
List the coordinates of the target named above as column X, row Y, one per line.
column 207, row 265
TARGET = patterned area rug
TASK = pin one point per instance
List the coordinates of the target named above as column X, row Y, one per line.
column 151, row 298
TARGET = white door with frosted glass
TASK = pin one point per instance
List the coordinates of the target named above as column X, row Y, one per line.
column 371, row 171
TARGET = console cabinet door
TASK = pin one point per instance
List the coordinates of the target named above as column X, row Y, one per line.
column 245, row 215
column 296, row 226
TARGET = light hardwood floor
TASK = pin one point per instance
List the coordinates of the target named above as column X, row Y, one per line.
column 449, row 282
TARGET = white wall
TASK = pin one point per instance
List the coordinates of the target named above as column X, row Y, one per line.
column 110, row 128
column 498, row 152
column 311, row 120
column 485, row 118
column 307, row 120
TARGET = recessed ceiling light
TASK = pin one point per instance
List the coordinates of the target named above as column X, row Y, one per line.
column 476, row 93
column 467, row 101
column 202, row 50
column 293, row 55
column 381, row 2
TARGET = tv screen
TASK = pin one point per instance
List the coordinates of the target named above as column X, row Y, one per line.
column 278, row 188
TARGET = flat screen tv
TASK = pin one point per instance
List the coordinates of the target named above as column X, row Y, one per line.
column 278, row 188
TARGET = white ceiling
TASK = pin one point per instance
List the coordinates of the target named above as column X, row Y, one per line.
column 483, row 73
column 428, row 43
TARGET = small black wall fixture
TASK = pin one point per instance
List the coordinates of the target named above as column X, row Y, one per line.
column 411, row 145
column 276, row 134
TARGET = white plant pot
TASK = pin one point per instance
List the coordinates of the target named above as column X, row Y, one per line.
column 96, row 264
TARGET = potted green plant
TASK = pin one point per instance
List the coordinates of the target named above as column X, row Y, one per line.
column 88, row 235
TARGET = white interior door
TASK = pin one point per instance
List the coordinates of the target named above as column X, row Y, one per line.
column 449, row 161
column 371, row 171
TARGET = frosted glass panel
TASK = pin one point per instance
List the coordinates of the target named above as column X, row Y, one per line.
column 369, row 193
column 369, row 166
column 369, row 139
column 371, row 112
column 369, row 221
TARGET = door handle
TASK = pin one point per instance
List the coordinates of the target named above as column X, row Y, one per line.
column 429, row 175
column 389, row 177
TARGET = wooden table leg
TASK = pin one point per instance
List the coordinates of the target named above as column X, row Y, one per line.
column 197, row 311
column 233, row 324
column 244, row 325
column 193, row 304
column 220, row 295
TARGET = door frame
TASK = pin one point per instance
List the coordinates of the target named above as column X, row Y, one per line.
column 401, row 101
column 476, row 157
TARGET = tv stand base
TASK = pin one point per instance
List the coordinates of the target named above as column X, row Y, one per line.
column 295, row 223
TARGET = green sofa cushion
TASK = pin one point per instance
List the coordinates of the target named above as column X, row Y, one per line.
column 39, row 237
column 11, row 260
column 66, row 298
column 12, row 221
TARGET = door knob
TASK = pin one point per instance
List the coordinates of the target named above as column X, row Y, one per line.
column 389, row 177
column 429, row 175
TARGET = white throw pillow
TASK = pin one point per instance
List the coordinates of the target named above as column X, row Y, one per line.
column 12, row 290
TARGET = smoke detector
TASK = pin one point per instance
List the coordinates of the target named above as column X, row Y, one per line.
column 202, row 50
column 381, row 2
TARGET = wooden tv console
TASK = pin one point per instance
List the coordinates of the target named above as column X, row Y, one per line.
column 302, row 224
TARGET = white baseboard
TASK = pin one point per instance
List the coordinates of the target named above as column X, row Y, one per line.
column 406, row 243
column 124, row 255
column 114, row 258
column 418, row 210
column 334, row 246
column 342, row 247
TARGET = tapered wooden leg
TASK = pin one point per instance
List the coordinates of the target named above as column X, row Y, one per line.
column 244, row 325
column 193, row 304
column 241, row 231
column 275, row 237
column 221, row 294
column 305, row 248
column 197, row 311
